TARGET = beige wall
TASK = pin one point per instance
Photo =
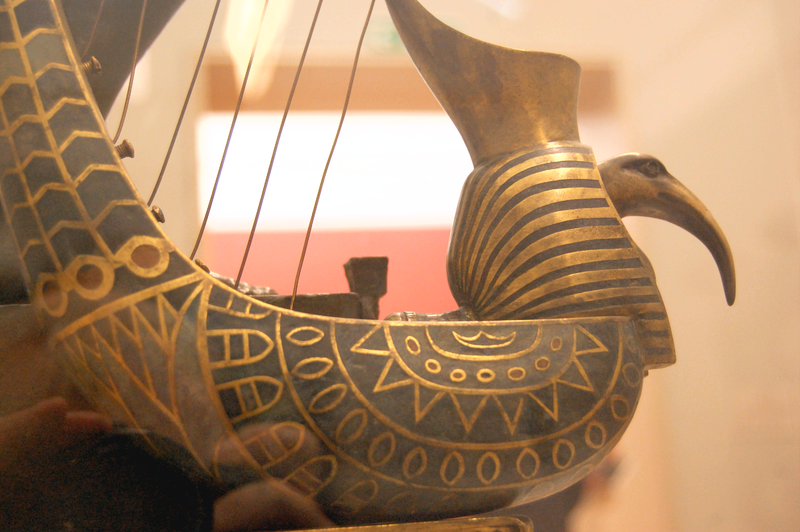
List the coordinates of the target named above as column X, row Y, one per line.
column 713, row 89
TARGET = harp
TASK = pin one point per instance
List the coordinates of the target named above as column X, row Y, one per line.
column 516, row 395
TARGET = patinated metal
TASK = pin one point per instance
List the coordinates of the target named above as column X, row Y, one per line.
column 377, row 420
column 537, row 234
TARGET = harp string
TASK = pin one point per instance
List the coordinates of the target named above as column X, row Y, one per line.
column 330, row 155
column 185, row 104
column 277, row 142
column 94, row 29
column 230, row 132
column 133, row 71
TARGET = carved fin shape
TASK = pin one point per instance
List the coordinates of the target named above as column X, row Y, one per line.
column 500, row 99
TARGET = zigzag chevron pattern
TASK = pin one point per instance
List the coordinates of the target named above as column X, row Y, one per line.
column 54, row 157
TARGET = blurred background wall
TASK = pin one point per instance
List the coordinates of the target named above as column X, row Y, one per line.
column 710, row 87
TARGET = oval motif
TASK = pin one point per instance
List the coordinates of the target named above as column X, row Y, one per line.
column 146, row 256
column 327, row 399
column 620, row 407
column 458, row 375
column 495, row 464
column 433, row 366
column 351, row 427
column 305, row 336
column 312, row 368
column 485, row 375
column 528, row 463
column 542, row 363
column 381, row 449
column 595, row 435
column 561, row 464
column 459, row 469
column 412, row 470
column 517, row 374
column 632, row 375
column 412, row 344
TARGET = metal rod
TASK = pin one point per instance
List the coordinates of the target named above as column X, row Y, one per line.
column 185, row 104
column 133, row 71
column 230, row 132
column 330, row 155
column 277, row 141
column 94, row 28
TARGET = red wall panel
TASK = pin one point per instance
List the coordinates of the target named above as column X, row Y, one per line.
column 417, row 278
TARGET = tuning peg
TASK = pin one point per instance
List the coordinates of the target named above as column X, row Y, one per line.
column 158, row 214
column 125, row 149
column 202, row 266
column 92, row 67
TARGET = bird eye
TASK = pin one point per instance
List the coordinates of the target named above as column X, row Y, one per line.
column 652, row 168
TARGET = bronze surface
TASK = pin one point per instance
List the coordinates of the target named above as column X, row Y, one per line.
column 378, row 421
column 537, row 234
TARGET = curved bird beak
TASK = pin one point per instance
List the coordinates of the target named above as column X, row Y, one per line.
column 639, row 185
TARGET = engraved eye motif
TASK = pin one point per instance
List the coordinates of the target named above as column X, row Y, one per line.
column 651, row 168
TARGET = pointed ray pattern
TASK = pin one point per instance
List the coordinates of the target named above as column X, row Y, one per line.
column 465, row 416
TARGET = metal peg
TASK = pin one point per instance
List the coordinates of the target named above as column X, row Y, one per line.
column 202, row 266
column 158, row 214
column 125, row 149
column 92, row 67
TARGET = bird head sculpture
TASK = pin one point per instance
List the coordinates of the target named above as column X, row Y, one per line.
column 538, row 231
column 640, row 185
column 377, row 421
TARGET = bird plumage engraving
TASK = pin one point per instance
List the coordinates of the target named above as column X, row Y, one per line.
column 538, row 231
column 406, row 421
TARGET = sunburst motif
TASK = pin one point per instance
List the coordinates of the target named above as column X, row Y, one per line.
column 470, row 406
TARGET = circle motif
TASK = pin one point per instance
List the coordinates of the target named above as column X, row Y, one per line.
column 542, row 364
column 556, row 343
column 433, row 366
column 458, row 375
column 89, row 276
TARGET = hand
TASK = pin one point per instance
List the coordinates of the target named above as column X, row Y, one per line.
column 267, row 505
column 30, row 441
column 30, row 436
